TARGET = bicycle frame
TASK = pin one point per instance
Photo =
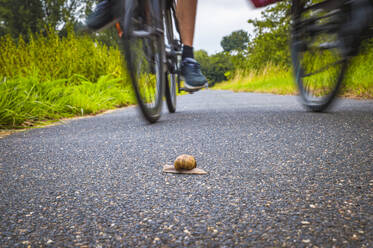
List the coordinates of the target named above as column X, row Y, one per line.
column 263, row 3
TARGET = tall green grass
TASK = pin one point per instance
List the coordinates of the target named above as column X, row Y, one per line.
column 359, row 79
column 270, row 79
column 279, row 80
column 52, row 77
column 26, row 101
column 52, row 57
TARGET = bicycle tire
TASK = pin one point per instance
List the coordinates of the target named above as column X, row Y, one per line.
column 319, row 63
column 143, row 44
column 173, row 48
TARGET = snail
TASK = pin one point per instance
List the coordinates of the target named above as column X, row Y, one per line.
column 185, row 162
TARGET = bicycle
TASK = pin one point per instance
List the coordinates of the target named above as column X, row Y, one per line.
column 321, row 52
column 152, row 48
column 149, row 31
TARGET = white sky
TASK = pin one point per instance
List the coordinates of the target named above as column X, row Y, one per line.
column 218, row 18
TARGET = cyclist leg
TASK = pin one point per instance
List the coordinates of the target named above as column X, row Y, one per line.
column 186, row 11
column 107, row 12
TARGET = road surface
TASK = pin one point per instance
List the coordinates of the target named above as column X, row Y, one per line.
column 277, row 176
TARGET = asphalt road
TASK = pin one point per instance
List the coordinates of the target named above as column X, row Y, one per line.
column 278, row 176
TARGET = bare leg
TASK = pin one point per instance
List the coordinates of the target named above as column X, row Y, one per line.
column 186, row 14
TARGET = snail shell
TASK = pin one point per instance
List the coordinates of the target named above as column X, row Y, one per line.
column 185, row 162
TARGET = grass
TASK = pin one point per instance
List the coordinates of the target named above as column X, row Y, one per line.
column 50, row 77
column 271, row 79
column 359, row 81
column 279, row 80
column 52, row 57
column 26, row 102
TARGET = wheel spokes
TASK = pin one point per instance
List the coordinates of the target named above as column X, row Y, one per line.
column 319, row 52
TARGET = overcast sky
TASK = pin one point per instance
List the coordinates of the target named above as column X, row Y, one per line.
column 218, row 18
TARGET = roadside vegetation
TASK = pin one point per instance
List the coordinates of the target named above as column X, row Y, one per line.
column 49, row 71
column 280, row 80
column 261, row 63
column 51, row 77
column 269, row 79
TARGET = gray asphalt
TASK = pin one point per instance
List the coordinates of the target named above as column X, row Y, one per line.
column 278, row 176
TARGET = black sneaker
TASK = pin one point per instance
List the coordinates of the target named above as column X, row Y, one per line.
column 104, row 15
column 193, row 77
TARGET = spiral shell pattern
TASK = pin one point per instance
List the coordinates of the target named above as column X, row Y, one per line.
column 185, row 162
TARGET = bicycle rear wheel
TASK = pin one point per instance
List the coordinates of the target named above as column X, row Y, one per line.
column 144, row 53
column 173, row 56
column 318, row 58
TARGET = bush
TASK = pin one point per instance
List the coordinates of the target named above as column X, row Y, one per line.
column 214, row 67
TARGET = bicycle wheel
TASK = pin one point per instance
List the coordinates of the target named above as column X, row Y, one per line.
column 144, row 53
column 173, row 56
column 319, row 62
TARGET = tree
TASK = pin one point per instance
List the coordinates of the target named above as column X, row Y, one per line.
column 214, row 67
column 271, row 42
column 18, row 17
column 274, row 17
column 62, row 12
column 236, row 41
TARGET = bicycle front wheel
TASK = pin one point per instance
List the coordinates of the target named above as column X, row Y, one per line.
column 173, row 56
column 319, row 62
column 144, row 53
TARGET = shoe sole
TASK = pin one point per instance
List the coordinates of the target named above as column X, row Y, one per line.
column 190, row 87
column 194, row 88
